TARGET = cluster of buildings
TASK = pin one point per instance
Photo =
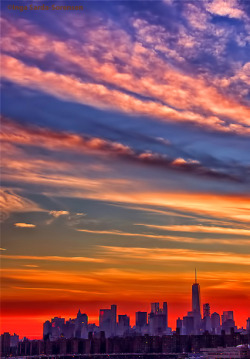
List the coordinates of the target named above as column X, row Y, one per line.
column 195, row 323
column 150, row 334
column 154, row 323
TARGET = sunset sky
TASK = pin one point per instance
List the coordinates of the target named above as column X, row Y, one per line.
column 125, row 144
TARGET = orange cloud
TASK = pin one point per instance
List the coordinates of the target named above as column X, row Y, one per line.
column 227, row 206
column 183, row 255
column 122, row 190
column 170, row 238
column 57, row 214
column 119, row 190
column 24, row 225
column 54, row 258
column 30, row 266
column 201, row 228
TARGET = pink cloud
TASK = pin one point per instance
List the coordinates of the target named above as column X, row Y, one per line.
column 172, row 91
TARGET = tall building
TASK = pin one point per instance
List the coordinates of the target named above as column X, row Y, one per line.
column 248, row 325
column 179, row 325
column 206, row 310
column 113, row 318
column 196, row 310
column 47, row 329
column 158, row 319
column 57, row 327
column 81, row 324
column 141, row 319
column 123, row 325
column 108, row 320
column 5, row 344
column 228, row 323
column 192, row 323
column 215, row 323
column 165, row 311
column 196, row 296
column 206, row 321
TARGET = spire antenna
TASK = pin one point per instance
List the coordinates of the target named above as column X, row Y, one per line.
column 195, row 276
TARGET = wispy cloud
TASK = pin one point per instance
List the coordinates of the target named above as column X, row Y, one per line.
column 30, row 265
column 200, row 228
column 24, row 225
column 10, row 201
column 53, row 258
column 43, row 289
column 53, row 140
column 170, row 238
column 176, row 255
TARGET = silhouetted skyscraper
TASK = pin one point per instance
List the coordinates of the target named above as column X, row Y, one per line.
column 206, row 310
column 165, row 311
column 206, row 322
column 57, row 326
column 108, row 321
column 215, row 323
column 81, row 324
column 5, row 344
column 123, row 325
column 158, row 319
column 113, row 318
column 196, row 296
column 179, row 325
column 141, row 319
column 248, row 325
column 47, row 329
column 196, row 309
column 228, row 323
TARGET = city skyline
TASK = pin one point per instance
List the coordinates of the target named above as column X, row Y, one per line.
column 125, row 162
column 154, row 322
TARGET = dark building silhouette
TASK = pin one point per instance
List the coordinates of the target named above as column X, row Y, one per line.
column 215, row 323
column 108, row 320
column 5, row 344
column 141, row 319
column 228, row 323
column 248, row 325
column 81, row 325
column 158, row 319
column 123, row 325
column 196, row 310
column 206, row 310
column 206, row 321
